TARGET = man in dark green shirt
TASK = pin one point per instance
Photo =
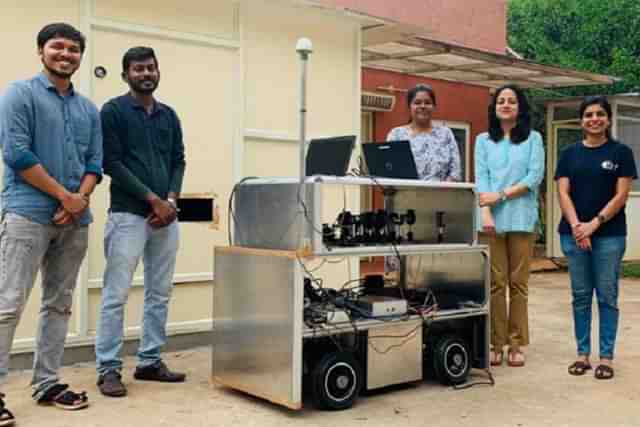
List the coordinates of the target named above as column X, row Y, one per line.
column 144, row 155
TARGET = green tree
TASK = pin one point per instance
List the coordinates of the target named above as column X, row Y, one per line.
column 601, row 36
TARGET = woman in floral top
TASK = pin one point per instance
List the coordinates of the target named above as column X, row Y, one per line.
column 434, row 147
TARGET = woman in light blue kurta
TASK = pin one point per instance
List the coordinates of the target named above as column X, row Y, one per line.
column 509, row 166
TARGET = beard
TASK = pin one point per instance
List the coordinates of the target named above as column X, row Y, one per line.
column 59, row 74
column 141, row 87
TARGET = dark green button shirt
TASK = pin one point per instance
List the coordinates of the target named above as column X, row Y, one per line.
column 142, row 153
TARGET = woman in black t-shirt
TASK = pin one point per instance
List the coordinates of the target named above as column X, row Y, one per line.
column 594, row 179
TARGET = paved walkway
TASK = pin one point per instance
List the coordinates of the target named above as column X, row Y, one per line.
column 540, row 394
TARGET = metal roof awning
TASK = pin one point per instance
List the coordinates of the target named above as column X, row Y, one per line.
column 402, row 48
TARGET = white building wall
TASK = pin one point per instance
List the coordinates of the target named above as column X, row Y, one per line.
column 230, row 70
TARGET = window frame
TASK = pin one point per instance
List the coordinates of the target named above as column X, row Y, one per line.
column 466, row 127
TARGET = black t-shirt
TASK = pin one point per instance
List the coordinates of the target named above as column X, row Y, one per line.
column 593, row 174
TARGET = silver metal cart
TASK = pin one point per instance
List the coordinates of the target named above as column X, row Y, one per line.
column 262, row 343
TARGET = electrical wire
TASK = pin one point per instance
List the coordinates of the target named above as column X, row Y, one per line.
column 409, row 336
column 491, row 382
column 230, row 207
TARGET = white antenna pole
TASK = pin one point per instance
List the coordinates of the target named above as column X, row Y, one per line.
column 304, row 47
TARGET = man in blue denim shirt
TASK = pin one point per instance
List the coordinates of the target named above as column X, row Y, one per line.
column 51, row 143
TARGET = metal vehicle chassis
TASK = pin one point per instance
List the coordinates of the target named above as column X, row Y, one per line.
column 262, row 345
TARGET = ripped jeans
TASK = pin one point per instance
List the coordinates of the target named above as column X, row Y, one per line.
column 25, row 248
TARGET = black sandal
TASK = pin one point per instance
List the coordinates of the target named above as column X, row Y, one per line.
column 60, row 397
column 579, row 368
column 6, row 417
column 604, row 372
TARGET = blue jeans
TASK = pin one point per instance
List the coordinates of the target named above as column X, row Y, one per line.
column 596, row 270
column 57, row 251
column 129, row 237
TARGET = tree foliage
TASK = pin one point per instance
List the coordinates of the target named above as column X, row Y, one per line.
column 600, row 36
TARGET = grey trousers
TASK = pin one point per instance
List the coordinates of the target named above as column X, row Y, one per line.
column 25, row 248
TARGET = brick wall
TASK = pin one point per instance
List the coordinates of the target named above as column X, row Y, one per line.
column 456, row 102
column 478, row 24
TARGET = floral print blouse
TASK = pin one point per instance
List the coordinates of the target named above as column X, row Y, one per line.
column 436, row 153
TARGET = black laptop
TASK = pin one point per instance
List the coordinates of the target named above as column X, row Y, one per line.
column 390, row 160
column 329, row 156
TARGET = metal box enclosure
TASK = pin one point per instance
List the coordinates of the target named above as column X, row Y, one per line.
column 268, row 213
column 258, row 304
column 257, row 324
column 457, row 279
column 394, row 354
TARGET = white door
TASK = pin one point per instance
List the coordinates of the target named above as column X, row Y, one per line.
column 563, row 135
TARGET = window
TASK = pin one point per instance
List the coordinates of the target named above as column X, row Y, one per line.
column 461, row 132
column 628, row 132
column 562, row 113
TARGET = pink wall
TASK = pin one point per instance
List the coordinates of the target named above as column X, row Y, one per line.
column 479, row 24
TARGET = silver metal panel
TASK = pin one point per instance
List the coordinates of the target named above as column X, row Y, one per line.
column 354, row 180
column 269, row 216
column 459, row 277
column 371, row 324
column 267, row 213
column 257, row 316
column 394, row 354
column 458, row 206
column 389, row 250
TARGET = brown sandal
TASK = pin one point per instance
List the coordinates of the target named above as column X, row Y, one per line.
column 512, row 357
column 496, row 357
column 60, row 397
column 579, row 368
column 604, row 372
column 6, row 417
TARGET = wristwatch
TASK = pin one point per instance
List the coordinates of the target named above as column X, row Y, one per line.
column 173, row 202
column 601, row 219
column 503, row 196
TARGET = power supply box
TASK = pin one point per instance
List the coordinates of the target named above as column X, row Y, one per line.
column 377, row 305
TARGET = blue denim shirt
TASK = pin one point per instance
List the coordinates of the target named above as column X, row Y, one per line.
column 63, row 134
column 503, row 164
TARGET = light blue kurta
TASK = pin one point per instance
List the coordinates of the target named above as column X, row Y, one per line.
column 502, row 165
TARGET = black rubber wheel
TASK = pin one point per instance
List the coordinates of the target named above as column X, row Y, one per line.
column 336, row 381
column 451, row 360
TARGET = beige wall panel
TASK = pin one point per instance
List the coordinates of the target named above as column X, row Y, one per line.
column 189, row 302
column 272, row 70
column 20, row 22
column 268, row 158
column 197, row 82
column 212, row 18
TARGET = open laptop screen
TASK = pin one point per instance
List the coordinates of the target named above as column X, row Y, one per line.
column 329, row 156
column 390, row 160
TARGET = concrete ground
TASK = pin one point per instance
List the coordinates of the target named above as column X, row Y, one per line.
column 540, row 394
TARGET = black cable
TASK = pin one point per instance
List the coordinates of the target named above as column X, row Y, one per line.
column 490, row 382
column 230, row 207
column 305, row 212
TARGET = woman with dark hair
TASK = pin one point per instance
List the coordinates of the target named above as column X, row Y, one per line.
column 434, row 147
column 509, row 166
column 594, row 179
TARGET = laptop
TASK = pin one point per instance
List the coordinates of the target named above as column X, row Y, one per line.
column 390, row 160
column 329, row 156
